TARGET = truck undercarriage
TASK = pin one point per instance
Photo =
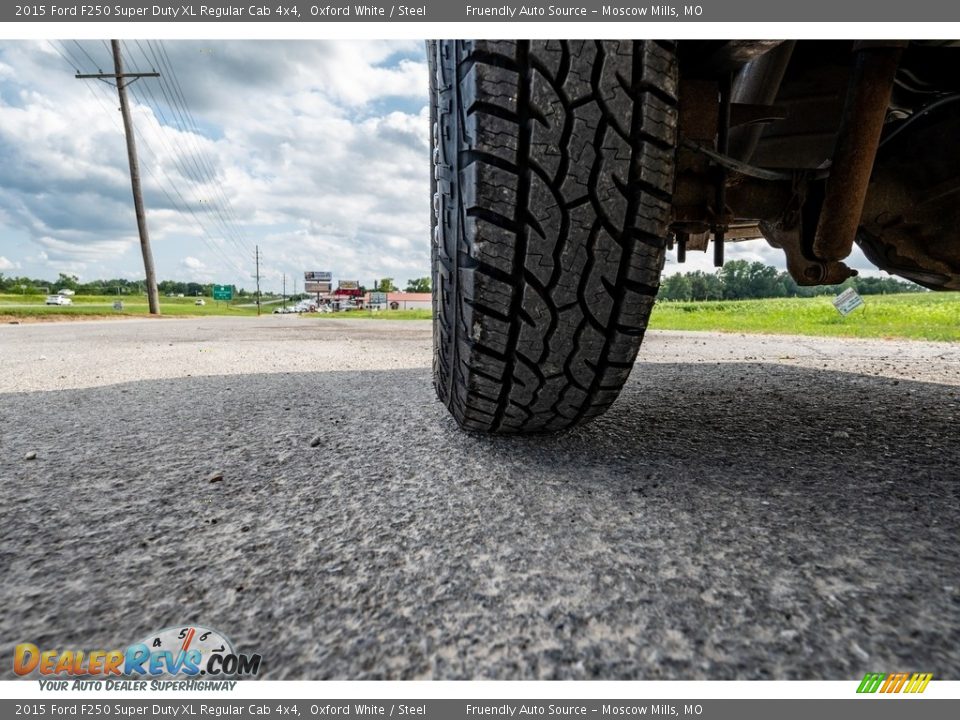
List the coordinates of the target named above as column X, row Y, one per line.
column 817, row 145
column 563, row 171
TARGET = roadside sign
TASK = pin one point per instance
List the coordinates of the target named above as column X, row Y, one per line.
column 318, row 276
column 317, row 287
column 223, row 292
column 378, row 298
column 847, row 301
column 349, row 287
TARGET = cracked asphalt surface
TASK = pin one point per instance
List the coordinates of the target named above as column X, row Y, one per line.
column 752, row 506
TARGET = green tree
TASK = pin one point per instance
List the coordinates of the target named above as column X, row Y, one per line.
column 762, row 280
column 419, row 285
column 386, row 285
column 735, row 276
column 705, row 286
column 67, row 282
column 675, row 287
column 94, row 287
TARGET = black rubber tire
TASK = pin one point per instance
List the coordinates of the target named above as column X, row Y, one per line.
column 553, row 173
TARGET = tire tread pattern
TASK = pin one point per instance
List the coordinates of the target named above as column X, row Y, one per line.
column 553, row 171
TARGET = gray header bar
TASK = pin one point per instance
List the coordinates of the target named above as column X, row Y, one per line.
column 223, row 11
column 122, row 708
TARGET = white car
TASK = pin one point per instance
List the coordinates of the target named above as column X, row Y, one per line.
column 200, row 301
column 58, row 300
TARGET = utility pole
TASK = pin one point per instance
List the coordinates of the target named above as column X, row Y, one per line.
column 284, row 291
column 258, row 278
column 153, row 299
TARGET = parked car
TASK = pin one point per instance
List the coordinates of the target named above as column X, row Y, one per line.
column 58, row 300
column 200, row 301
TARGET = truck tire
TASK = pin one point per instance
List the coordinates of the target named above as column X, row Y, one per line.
column 553, row 172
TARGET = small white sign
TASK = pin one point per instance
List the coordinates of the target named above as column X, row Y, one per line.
column 847, row 301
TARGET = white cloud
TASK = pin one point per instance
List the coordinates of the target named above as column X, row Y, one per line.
column 194, row 269
column 7, row 264
column 316, row 151
column 756, row 251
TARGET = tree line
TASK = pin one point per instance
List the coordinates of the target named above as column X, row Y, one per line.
column 112, row 286
column 124, row 286
column 742, row 280
column 418, row 285
column 736, row 280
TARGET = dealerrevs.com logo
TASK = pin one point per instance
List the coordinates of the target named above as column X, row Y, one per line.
column 181, row 653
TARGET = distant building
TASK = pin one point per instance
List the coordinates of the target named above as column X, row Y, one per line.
column 406, row 301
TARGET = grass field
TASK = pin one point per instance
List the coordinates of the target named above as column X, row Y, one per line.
column 919, row 316
column 32, row 306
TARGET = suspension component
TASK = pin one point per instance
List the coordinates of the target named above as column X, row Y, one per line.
column 868, row 97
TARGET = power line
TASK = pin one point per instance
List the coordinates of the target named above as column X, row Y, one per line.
column 184, row 167
column 258, row 278
column 192, row 123
column 182, row 160
column 203, row 172
column 106, row 47
column 183, row 209
column 71, row 61
column 162, row 183
column 123, row 79
column 83, row 50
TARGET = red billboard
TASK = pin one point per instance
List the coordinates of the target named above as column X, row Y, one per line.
column 349, row 287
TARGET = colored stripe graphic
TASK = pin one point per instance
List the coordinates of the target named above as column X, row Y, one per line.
column 918, row 683
column 894, row 682
column 870, row 682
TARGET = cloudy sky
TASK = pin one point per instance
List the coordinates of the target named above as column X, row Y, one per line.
column 316, row 151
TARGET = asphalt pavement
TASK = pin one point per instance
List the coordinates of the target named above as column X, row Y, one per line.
column 751, row 508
